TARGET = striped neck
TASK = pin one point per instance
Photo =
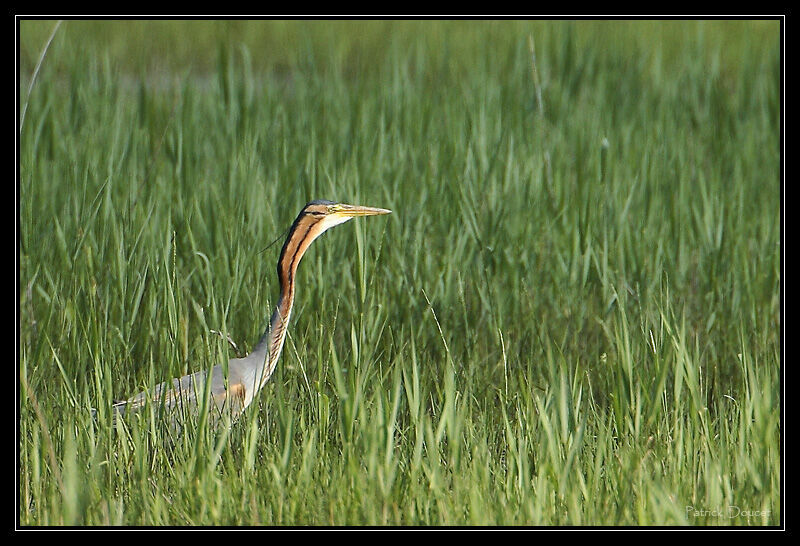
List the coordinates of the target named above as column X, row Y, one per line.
column 268, row 349
column 304, row 230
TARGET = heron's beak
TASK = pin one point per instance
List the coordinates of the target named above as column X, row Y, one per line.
column 357, row 210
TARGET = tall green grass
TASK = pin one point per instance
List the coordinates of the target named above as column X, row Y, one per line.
column 571, row 318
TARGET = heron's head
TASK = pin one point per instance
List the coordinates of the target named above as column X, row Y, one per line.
column 315, row 218
column 323, row 215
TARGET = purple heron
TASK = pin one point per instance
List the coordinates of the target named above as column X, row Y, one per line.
column 246, row 376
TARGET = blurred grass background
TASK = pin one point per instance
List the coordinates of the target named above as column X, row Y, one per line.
column 572, row 317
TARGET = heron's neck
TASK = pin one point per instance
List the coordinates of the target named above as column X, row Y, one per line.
column 268, row 349
column 302, row 233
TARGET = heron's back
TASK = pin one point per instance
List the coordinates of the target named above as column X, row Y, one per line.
column 184, row 395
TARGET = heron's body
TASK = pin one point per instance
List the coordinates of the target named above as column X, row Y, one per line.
column 235, row 390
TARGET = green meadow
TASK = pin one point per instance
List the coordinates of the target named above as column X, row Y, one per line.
column 572, row 317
